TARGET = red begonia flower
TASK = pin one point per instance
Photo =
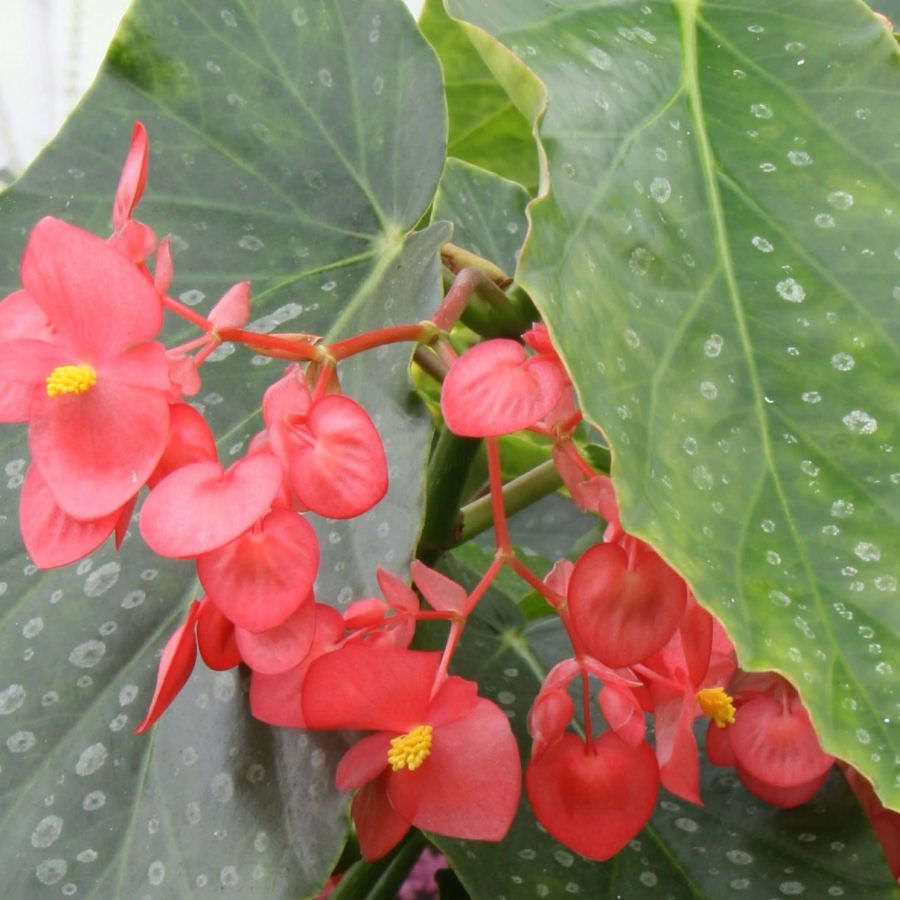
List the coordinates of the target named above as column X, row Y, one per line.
column 52, row 537
column 593, row 799
column 276, row 698
column 97, row 412
column 332, row 451
column 624, row 613
column 495, row 389
column 774, row 741
column 441, row 592
column 201, row 506
column 282, row 647
column 215, row 638
column 163, row 271
column 261, row 577
column 175, row 666
column 448, row 764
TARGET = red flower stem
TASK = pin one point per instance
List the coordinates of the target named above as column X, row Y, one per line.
column 467, row 281
column 187, row 313
column 554, row 599
column 423, row 332
column 281, row 346
column 426, row 615
column 200, row 358
column 445, row 352
column 456, row 259
column 189, row 345
column 458, row 623
column 325, row 374
column 500, row 530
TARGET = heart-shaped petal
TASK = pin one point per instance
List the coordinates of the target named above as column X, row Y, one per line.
column 594, row 799
column 623, row 615
column 264, row 575
column 201, row 507
column 335, row 457
column 494, row 388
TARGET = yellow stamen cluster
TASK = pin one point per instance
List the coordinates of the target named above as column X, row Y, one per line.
column 70, row 380
column 716, row 704
column 410, row 750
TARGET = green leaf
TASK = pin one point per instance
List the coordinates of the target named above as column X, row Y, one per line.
column 485, row 127
column 716, row 259
column 487, row 212
column 733, row 846
column 293, row 145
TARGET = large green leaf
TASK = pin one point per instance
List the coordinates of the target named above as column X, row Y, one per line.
column 294, row 146
column 717, row 261
column 485, row 127
column 733, row 846
column 487, row 212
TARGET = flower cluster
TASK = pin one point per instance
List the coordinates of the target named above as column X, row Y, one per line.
column 105, row 402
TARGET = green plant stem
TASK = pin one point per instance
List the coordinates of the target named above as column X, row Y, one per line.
column 380, row 880
column 458, row 258
column 448, row 467
column 477, row 516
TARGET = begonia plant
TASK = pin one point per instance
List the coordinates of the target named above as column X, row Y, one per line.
column 483, row 438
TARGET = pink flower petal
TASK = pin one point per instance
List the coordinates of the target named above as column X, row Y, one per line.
column 261, row 577
column 623, row 615
column 133, row 177
column 52, row 537
column 282, row 647
column 201, row 507
column 233, row 310
column 22, row 318
column 365, row 760
column 175, row 666
column 96, row 449
column 495, row 389
column 392, row 696
column 335, row 458
column 190, row 440
column 24, row 367
column 594, row 802
column 441, row 592
column 215, row 638
column 469, row 785
column 774, row 742
column 548, row 718
column 378, row 826
column 96, row 300
column 276, row 698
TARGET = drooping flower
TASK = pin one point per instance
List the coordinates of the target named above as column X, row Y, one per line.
column 93, row 390
column 447, row 763
column 771, row 743
column 494, row 388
